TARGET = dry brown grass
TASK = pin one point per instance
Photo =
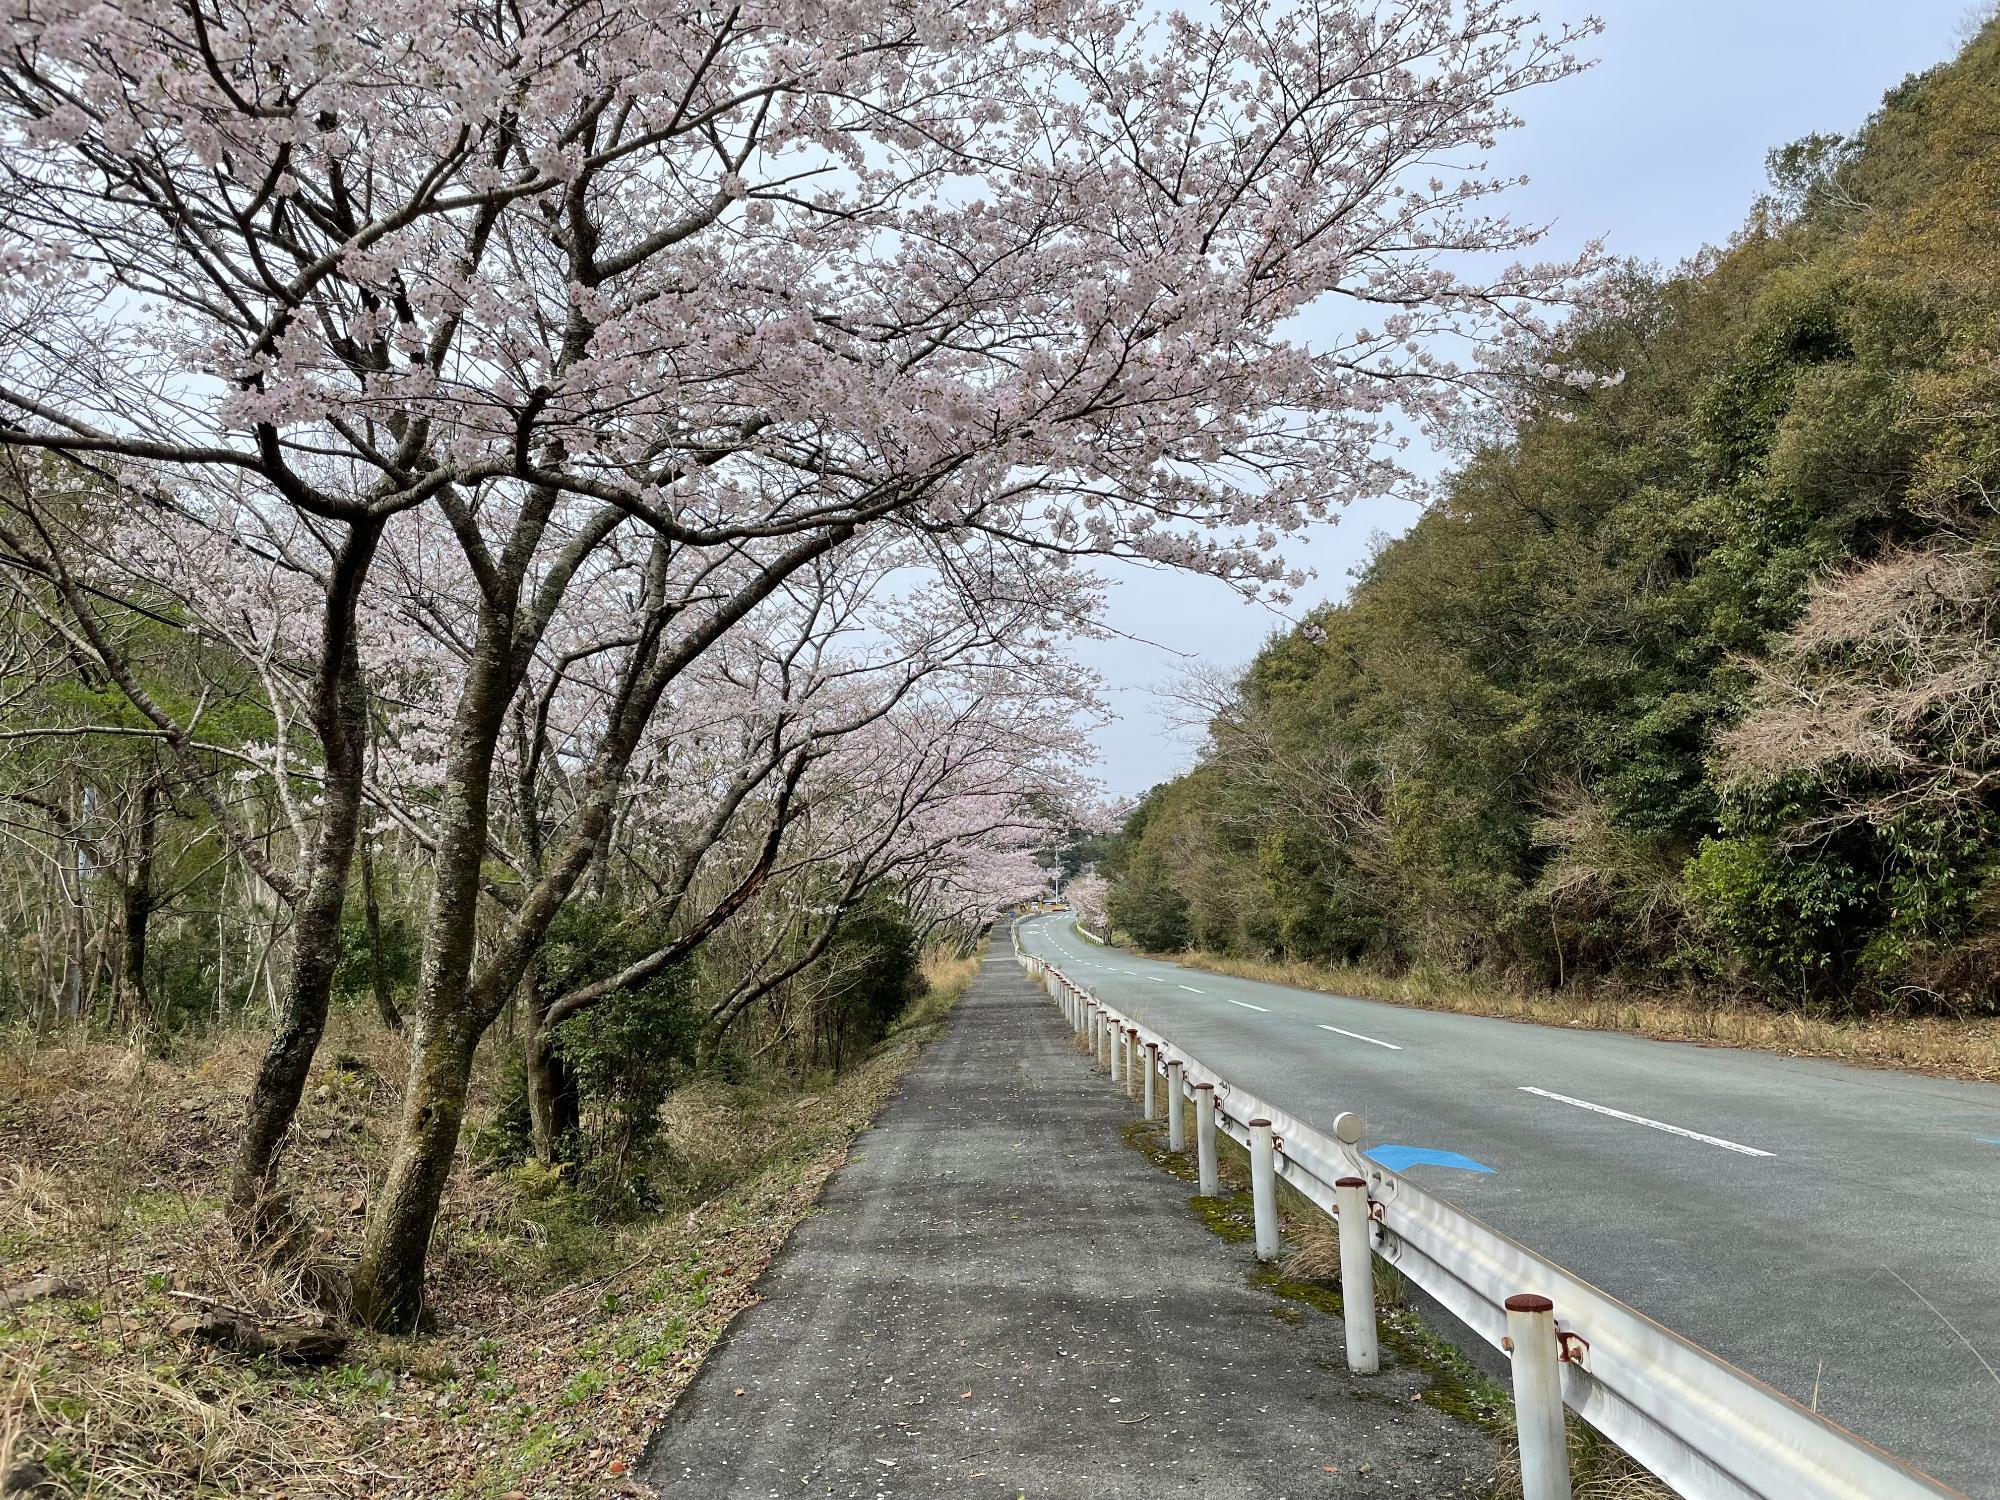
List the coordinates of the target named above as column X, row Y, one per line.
column 946, row 976
column 1315, row 1250
column 1923, row 1044
column 111, row 1181
column 1598, row 1471
column 561, row 1340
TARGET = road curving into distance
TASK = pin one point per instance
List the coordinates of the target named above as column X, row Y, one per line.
column 1833, row 1230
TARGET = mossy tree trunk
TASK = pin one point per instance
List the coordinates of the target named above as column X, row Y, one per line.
column 340, row 714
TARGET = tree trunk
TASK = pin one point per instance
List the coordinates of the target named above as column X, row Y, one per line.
column 340, row 711
column 389, row 1280
column 714, row 1032
column 77, row 914
column 555, row 1104
column 281, row 1079
column 136, row 901
column 378, row 974
column 453, row 1011
column 389, row 1277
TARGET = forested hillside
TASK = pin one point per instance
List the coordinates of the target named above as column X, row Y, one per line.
column 1692, row 676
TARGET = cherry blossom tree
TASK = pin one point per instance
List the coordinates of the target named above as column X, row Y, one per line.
column 729, row 291
column 1091, row 896
column 938, row 798
column 749, row 746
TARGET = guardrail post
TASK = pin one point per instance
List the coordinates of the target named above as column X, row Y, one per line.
column 1116, row 1052
column 1133, row 1063
column 1152, row 1080
column 1538, row 1402
column 1357, row 1276
column 1204, row 1139
column 1104, row 1038
column 1176, row 1109
column 1264, row 1188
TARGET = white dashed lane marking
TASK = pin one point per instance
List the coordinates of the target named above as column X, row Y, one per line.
column 1372, row 1041
column 1619, row 1114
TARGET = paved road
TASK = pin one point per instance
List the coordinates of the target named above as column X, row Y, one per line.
column 999, row 1298
column 1826, row 1228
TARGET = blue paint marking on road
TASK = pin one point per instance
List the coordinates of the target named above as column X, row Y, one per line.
column 1989, row 1140
column 1402, row 1158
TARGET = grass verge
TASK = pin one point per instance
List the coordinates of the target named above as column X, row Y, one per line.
column 1922, row 1044
column 561, row 1342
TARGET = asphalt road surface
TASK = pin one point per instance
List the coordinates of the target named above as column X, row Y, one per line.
column 1833, row 1230
column 999, row 1298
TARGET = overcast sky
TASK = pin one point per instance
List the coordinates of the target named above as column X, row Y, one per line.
column 1660, row 149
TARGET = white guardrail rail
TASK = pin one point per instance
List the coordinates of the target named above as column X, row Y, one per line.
column 1706, row 1429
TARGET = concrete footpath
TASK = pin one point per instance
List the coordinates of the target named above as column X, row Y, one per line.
column 999, row 1297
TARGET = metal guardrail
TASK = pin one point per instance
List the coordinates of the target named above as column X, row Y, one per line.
column 1704, row 1427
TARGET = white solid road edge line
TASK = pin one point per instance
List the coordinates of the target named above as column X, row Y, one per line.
column 1619, row 1114
column 1247, row 1005
column 1372, row 1041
